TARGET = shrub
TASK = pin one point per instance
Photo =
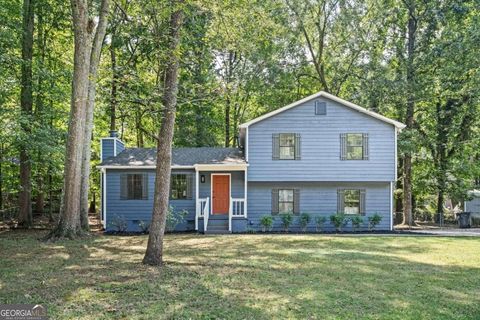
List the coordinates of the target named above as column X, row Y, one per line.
column 174, row 218
column 266, row 222
column 338, row 220
column 287, row 219
column 304, row 220
column 319, row 222
column 373, row 221
column 356, row 222
column 144, row 226
column 119, row 223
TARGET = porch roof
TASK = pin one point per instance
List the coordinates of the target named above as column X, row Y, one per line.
column 181, row 157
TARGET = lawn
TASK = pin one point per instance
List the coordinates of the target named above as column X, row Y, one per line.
column 245, row 277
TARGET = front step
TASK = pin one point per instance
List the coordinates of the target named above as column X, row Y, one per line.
column 217, row 225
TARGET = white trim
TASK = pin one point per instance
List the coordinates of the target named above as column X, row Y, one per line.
column 142, row 167
column 396, row 155
column 221, row 167
column 196, row 199
column 391, row 205
column 211, row 189
column 246, row 144
column 104, row 198
column 245, row 192
column 199, row 167
column 353, row 106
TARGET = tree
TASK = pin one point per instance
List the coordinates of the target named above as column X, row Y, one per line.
column 26, row 102
column 87, row 139
column 154, row 253
column 69, row 225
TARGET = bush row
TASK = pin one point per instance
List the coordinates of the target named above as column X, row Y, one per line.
column 338, row 220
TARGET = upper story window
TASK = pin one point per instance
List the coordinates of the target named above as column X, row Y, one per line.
column 134, row 186
column 354, row 146
column 181, row 186
column 286, row 146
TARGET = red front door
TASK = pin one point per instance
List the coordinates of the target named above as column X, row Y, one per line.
column 220, row 194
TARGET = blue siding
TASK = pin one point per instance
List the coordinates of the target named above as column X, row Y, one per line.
column 237, row 182
column 107, row 146
column 317, row 198
column 120, row 145
column 134, row 211
column 320, row 146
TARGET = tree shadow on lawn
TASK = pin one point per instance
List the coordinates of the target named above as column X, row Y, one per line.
column 234, row 277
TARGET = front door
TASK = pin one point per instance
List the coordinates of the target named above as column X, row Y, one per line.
column 220, row 194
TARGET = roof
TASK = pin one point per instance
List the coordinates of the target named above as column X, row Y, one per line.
column 181, row 157
column 324, row 94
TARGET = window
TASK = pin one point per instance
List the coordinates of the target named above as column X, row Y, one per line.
column 352, row 202
column 354, row 146
column 287, row 146
column 180, row 187
column 134, row 186
column 285, row 201
column 320, row 108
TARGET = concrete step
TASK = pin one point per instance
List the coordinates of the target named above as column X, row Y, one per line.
column 217, row 228
column 220, row 224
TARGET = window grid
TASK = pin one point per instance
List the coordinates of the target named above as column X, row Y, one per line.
column 286, row 200
column 178, row 187
column 352, row 201
column 287, row 146
column 354, row 146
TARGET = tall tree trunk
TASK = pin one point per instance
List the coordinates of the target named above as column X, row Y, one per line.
column 87, row 139
column 25, row 218
column 407, row 161
column 42, row 46
column 69, row 222
column 227, row 123
column 154, row 252
column 1, row 176
column 113, row 97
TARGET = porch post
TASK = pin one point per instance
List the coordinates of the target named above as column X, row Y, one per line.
column 245, row 191
column 197, row 213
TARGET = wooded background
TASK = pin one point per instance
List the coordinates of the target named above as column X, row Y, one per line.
column 413, row 61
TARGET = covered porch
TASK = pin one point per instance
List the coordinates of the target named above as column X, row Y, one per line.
column 221, row 197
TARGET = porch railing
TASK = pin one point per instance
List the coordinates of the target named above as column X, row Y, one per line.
column 201, row 208
column 205, row 214
column 238, row 207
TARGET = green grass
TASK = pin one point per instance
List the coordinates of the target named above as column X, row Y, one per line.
column 245, row 277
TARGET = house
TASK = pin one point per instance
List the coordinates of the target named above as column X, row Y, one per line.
column 319, row 155
column 472, row 205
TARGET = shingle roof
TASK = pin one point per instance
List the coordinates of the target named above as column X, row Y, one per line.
column 180, row 157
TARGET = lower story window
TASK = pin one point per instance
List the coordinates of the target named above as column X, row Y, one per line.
column 180, row 186
column 352, row 202
column 134, row 186
column 285, row 201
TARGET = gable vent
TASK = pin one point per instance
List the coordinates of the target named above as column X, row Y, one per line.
column 320, row 108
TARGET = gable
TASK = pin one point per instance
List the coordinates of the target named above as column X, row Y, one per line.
column 325, row 97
